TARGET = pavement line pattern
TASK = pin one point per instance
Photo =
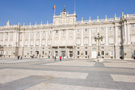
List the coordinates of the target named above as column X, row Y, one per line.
column 123, row 78
column 8, row 75
column 50, row 86
column 73, row 63
column 121, row 65
column 16, row 61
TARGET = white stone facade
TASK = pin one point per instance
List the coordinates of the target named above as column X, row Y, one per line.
column 69, row 38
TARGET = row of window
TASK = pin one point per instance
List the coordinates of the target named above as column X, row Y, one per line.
column 78, row 30
column 102, row 53
column 78, row 52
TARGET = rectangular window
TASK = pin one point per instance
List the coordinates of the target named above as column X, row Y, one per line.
column 132, row 25
column 86, row 53
column 78, row 30
column 111, row 53
column 78, row 53
column 102, row 28
column 94, row 29
column 110, row 28
column 78, row 41
column 50, row 32
column 86, row 30
column 119, row 28
column 102, row 53
column 37, row 33
column 56, row 31
column 56, row 53
column 42, row 52
column 0, row 52
column 102, row 47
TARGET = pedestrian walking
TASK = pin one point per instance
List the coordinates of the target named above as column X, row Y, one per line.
column 60, row 58
column 21, row 57
column 55, row 58
column 18, row 57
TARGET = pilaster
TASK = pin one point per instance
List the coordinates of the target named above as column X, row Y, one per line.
column 23, row 39
column 125, row 32
column 106, row 36
column 116, row 35
column 3, row 38
column 34, row 39
column 82, row 44
column 29, row 39
column 40, row 38
column 46, row 39
column 74, row 37
column 90, row 36
column 128, row 31
column 8, row 38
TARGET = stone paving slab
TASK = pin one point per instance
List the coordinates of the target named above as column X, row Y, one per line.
column 123, row 78
column 46, row 74
column 16, row 61
column 121, row 65
column 49, row 86
column 8, row 75
column 73, row 63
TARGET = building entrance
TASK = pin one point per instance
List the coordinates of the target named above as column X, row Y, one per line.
column 56, row 54
column 94, row 53
column 36, row 53
column 63, row 54
column 70, row 54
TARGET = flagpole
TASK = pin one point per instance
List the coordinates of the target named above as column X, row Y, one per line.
column 54, row 10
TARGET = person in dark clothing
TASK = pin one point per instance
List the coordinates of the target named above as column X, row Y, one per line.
column 55, row 58
column 18, row 57
column 21, row 57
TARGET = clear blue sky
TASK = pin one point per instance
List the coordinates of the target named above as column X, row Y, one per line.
column 41, row 10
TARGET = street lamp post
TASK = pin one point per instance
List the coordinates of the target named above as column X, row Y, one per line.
column 98, row 38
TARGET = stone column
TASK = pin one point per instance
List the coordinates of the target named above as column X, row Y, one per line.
column 23, row 39
column 46, row 39
column 58, row 52
column 116, row 35
column 4, row 38
column 74, row 52
column 74, row 37
column 8, row 38
column 67, row 55
column 67, row 37
column 14, row 39
column 53, row 34
column 106, row 36
column 90, row 36
column 125, row 32
column 34, row 38
column 128, row 31
column 82, row 44
column 17, row 36
column 40, row 38
column 29, row 39
column 117, row 50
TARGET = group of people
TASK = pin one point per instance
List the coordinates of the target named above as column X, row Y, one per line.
column 19, row 57
column 59, row 58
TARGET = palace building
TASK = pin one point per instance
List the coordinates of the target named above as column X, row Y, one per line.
column 70, row 38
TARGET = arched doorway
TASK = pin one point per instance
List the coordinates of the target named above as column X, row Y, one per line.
column 94, row 53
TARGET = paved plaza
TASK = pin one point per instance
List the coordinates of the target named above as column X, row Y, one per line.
column 47, row 74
